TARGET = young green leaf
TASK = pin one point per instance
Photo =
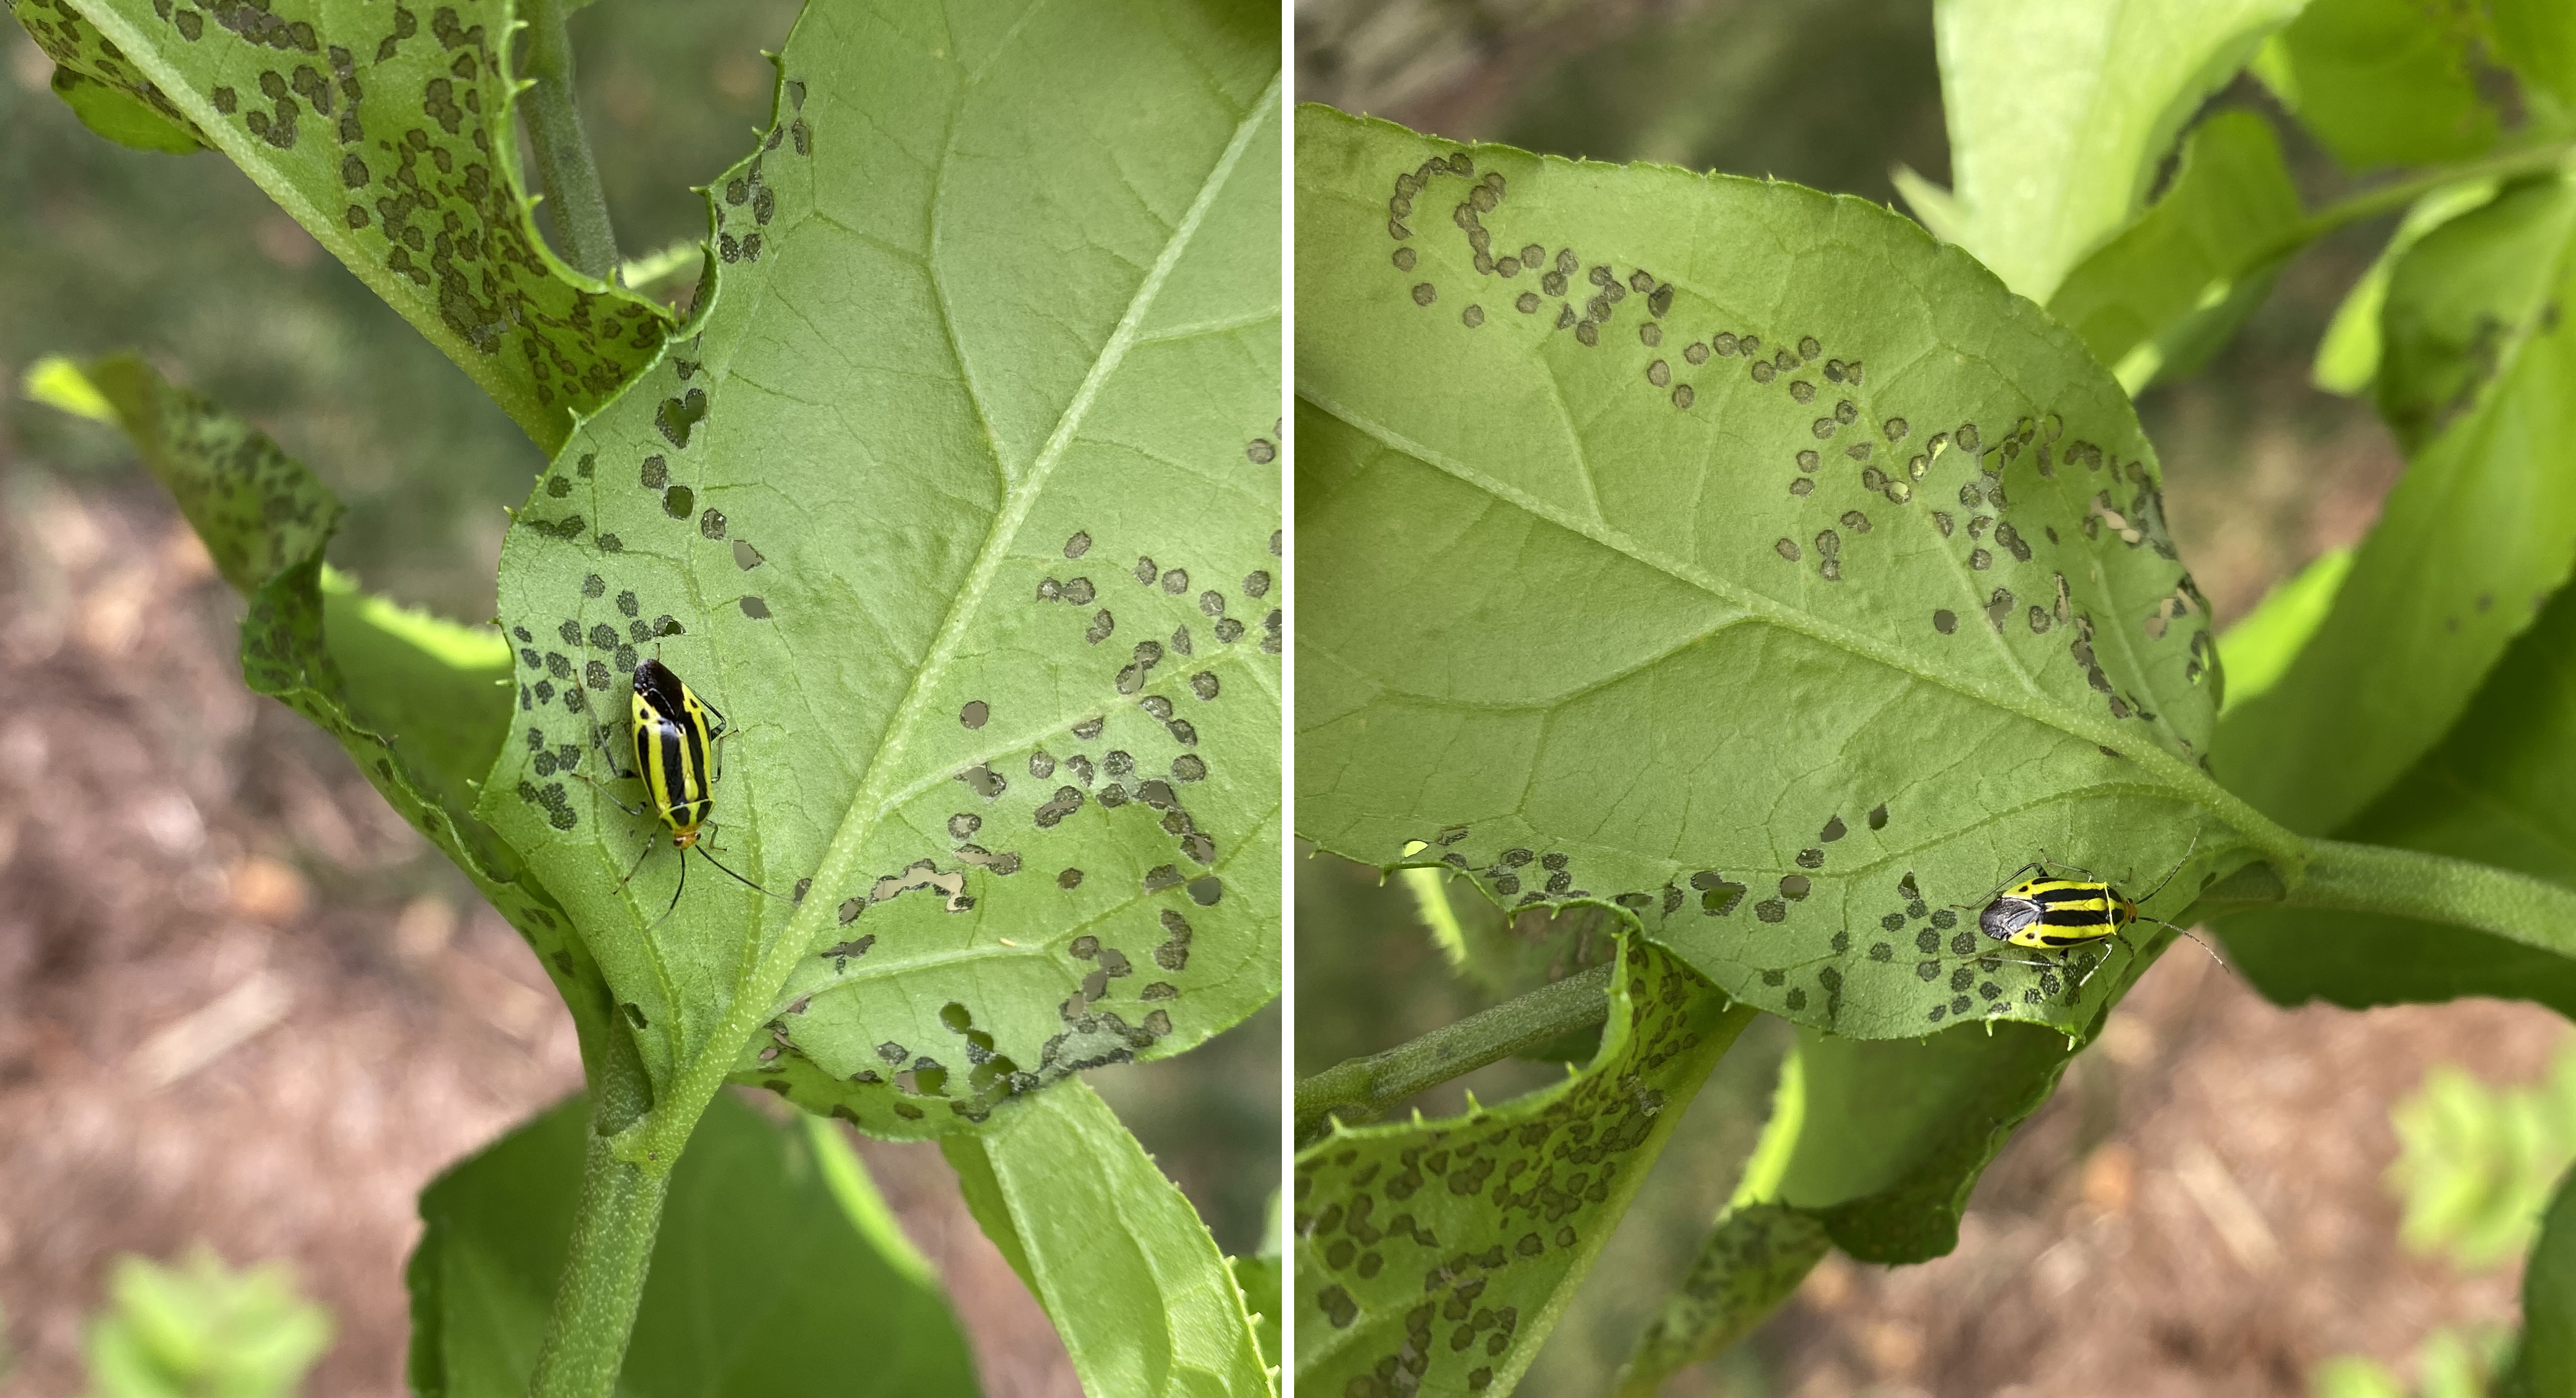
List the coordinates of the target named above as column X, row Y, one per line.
column 1738, row 557
column 960, row 508
column 2259, row 648
column 1434, row 1256
column 1136, row 1287
column 2492, row 791
column 2060, row 114
column 414, row 701
column 774, row 1241
column 2544, row 1364
column 2171, row 288
column 121, row 116
column 2476, row 1165
column 202, row 1328
column 2383, row 82
column 386, row 131
column 2348, row 355
column 2479, row 531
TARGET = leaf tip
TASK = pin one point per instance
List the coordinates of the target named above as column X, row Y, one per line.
column 59, row 383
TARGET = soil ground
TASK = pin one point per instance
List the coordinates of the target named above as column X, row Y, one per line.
column 2200, row 1211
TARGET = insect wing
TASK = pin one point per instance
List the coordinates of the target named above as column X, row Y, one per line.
column 2007, row 916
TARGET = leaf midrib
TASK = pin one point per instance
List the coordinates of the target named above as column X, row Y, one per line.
column 2189, row 782
column 884, row 780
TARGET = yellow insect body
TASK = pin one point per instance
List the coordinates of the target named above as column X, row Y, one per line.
column 675, row 744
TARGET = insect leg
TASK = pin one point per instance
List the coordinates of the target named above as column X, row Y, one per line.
column 711, row 859
column 649, row 842
column 2074, row 868
column 637, row 811
column 2009, row 880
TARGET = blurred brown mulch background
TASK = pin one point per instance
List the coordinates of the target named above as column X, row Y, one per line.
column 240, row 1002
column 2201, row 1210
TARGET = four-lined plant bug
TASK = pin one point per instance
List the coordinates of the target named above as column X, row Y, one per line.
column 678, row 758
column 2035, row 908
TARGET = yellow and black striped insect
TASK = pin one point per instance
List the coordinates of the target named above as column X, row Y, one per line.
column 677, row 757
column 2037, row 909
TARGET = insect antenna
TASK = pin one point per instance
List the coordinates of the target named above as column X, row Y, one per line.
column 2195, row 941
column 2169, row 875
column 2009, row 880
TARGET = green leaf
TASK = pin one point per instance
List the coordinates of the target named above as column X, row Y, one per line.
column 1586, row 644
column 2537, row 38
column 2059, row 114
column 1135, row 1285
column 417, row 703
column 2481, row 528
column 960, row 506
column 2348, row 356
column 1434, row 1256
column 1895, row 1133
column 773, row 1244
column 1507, row 954
column 2491, row 791
column 202, row 1330
column 2544, row 1364
column 2258, row 650
column 2476, row 1164
column 85, row 61
column 2354, row 1376
column 121, row 116
column 1260, row 1279
column 385, row 131
column 1752, row 1260
column 2383, row 82
column 2468, row 303
column 2171, row 288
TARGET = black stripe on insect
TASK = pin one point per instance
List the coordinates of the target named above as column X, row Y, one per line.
column 2035, row 908
column 677, row 740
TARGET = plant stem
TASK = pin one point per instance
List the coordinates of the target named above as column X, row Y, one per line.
column 2409, row 883
column 565, row 170
column 614, row 1226
column 1361, row 1089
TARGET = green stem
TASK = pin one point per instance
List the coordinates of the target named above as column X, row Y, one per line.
column 1361, row 1089
column 614, row 1224
column 565, row 170
column 2409, row 883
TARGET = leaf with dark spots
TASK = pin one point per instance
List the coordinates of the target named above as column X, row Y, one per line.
column 1673, row 616
column 397, row 154
column 908, row 429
